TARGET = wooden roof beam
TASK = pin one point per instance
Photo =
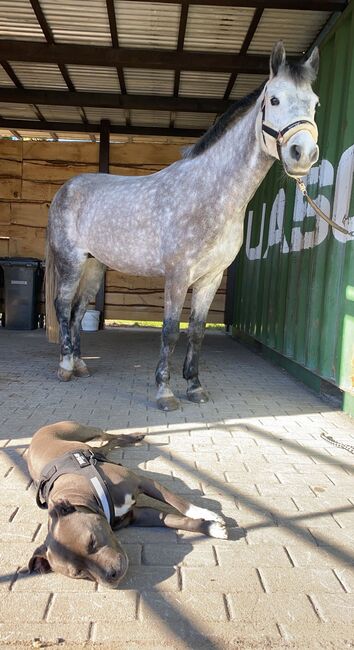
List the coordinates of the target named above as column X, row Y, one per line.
column 69, row 53
column 113, row 100
column 79, row 127
column 245, row 45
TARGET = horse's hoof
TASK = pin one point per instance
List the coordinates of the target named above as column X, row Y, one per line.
column 169, row 403
column 81, row 371
column 64, row 375
column 198, row 396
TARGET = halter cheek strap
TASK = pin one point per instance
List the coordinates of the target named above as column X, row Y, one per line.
column 283, row 136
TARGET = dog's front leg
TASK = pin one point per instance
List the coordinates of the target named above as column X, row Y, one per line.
column 158, row 491
column 151, row 517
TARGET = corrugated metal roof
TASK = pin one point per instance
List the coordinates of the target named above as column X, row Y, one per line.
column 217, row 29
column 67, row 135
column 297, row 29
column 81, row 137
column 39, row 75
column 154, row 25
column 115, row 115
column 5, row 79
column 18, row 20
column 27, row 133
column 94, row 78
column 203, row 84
column 245, row 84
column 78, row 22
column 147, row 24
column 150, row 82
column 17, row 111
column 60, row 113
column 194, row 120
column 149, row 118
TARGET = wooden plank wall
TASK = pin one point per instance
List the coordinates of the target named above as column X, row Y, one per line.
column 31, row 172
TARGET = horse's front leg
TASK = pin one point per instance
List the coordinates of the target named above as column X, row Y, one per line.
column 175, row 293
column 204, row 291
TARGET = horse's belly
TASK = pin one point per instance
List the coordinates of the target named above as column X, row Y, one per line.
column 126, row 260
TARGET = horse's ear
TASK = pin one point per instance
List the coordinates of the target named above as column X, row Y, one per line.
column 312, row 63
column 277, row 58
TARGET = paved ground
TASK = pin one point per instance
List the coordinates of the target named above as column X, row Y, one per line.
column 285, row 578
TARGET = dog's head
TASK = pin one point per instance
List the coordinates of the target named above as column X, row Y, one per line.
column 80, row 544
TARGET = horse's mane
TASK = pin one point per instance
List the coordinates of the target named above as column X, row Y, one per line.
column 296, row 70
column 223, row 124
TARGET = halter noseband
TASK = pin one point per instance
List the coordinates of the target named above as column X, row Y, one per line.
column 281, row 137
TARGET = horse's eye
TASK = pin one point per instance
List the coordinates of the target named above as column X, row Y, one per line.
column 274, row 101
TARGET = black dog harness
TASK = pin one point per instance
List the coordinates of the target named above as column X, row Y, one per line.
column 83, row 462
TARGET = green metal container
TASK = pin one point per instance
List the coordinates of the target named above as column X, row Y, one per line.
column 294, row 273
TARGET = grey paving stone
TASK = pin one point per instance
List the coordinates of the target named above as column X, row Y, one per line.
column 253, row 452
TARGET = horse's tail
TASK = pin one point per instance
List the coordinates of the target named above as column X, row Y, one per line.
column 51, row 322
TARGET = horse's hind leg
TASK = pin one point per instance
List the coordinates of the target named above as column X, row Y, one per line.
column 203, row 293
column 68, row 273
column 175, row 293
column 91, row 278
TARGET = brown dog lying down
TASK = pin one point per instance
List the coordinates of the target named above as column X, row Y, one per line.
column 89, row 496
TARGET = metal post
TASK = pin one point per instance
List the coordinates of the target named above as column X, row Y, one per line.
column 103, row 169
column 230, row 295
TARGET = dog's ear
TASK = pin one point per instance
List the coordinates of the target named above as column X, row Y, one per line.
column 38, row 561
column 61, row 508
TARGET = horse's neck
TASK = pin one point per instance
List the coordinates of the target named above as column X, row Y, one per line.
column 238, row 162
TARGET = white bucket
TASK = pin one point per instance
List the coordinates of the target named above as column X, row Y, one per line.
column 90, row 321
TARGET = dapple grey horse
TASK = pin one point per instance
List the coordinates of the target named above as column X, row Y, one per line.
column 184, row 223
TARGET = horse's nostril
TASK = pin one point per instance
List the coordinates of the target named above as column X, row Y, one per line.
column 112, row 574
column 295, row 152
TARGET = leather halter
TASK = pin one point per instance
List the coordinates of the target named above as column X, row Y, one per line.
column 281, row 137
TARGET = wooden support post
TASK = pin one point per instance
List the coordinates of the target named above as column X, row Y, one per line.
column 103, row 167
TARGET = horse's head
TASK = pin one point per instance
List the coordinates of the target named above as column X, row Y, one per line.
column 287, row 117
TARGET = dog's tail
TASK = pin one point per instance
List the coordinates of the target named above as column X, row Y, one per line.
column 51, row 322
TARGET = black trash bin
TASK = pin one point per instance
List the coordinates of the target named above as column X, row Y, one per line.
column 22, row 283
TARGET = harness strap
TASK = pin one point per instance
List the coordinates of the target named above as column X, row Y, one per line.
column 83, row 462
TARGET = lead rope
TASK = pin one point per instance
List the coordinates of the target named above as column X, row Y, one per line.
column 342, row 445
column 303, row 190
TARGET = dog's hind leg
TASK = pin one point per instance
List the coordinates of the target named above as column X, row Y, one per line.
column 74, row 431
column 152, row 517
column 112, row 442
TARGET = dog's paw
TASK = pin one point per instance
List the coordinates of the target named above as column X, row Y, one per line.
column 217, row 529
column 194, row 512
column 137, row 437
